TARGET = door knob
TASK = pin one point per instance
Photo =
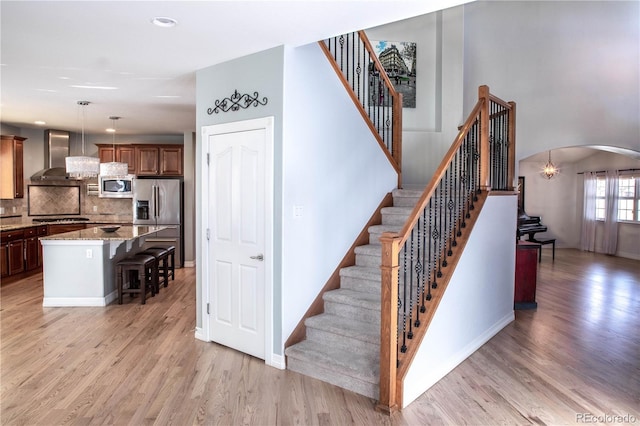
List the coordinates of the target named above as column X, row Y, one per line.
column 259, row 257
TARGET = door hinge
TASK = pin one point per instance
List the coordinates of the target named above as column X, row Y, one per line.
column 207, row 309
column 208, row 233
column 207, row 158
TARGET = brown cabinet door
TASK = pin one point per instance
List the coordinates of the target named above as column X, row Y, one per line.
column 18, row 170
column 171, row 161
column 62, row 228
column 146, row 160
column 127, row 154
column 31, row 253
column 106, row 154
column 11, row 167
column 16, row 256
column 4, row 260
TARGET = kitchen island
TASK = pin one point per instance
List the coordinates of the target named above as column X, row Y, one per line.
column 79, row 266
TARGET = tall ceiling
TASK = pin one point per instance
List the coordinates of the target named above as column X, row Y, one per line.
column 55, row 53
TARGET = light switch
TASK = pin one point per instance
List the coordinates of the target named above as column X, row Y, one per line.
column 298, row 211
column 89, row 254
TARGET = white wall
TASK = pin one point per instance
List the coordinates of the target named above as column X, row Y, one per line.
column 559, row 201
column 326, row 161
column 333, row 168
column 431, row 127
column 572, row 67
column 478, row 302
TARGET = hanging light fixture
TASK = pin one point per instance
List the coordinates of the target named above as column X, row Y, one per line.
column 114, row 168
column 550, row 170
column 82, row 166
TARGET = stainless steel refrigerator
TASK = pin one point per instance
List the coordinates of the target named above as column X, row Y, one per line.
column 159, row 202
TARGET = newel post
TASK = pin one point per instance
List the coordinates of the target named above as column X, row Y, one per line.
column 511, row 171
column 389, row 323
column 485, row 155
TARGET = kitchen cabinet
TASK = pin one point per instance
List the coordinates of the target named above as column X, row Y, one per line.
column 147, row 159
column 123, row 154
column 11, row 167
column 12, row 243
column 159, row 160
column 60, row 228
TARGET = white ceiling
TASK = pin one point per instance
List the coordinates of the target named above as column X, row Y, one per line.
column 48, row 47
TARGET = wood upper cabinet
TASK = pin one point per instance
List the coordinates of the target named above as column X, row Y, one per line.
column 159, row 160
column 146, row 160
column 123, row 154
column 11, row 167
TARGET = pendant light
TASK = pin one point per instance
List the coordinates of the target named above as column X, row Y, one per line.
column 550, row 170
column 114, row 168
column 82, row 166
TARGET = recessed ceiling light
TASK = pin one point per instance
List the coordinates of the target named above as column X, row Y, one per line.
column 163, row 21
column 78, row 86
column 167, row 96
column 40, row 123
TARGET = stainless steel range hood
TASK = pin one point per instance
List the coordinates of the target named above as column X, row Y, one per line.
column 56, row 149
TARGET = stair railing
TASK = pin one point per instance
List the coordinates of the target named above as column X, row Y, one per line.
column 414, row 261
column 371, row 90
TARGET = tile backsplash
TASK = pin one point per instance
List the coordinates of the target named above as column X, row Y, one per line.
column 61, row 198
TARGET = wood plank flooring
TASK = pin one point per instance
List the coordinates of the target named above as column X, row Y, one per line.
column 577, row 355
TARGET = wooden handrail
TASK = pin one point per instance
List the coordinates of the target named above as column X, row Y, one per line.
column 397, row 361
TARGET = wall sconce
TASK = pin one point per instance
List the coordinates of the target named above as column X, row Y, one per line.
column 550, row 169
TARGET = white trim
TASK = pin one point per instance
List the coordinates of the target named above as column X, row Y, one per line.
column 199, row 334
column 266, row 123
column 189, row 263
column 278, row 361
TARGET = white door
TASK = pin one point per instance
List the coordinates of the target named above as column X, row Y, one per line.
column 237, row 239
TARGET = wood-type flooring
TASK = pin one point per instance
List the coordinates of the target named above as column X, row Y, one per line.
column 574, row 360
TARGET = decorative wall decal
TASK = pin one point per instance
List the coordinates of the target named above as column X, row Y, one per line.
column 237, row 101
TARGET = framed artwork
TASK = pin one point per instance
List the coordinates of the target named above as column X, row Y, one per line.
column 399, row 61
column 520, row 193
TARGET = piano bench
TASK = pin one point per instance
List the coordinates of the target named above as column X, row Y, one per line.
column 543, row 242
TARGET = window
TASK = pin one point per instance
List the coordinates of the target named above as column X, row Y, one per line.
column 628, row 199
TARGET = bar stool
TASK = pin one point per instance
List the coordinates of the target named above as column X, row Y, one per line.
column 162, row 258
column 142, row 270
column 171, row 265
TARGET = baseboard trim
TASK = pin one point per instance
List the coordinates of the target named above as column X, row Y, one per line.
column 199, row 334
column 65, row 302
column 278, row 361
column 452, row 362
column 189, row 263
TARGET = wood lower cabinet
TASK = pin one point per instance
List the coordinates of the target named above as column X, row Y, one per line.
column 13, row 252
column 65, row 227
column 11, row 167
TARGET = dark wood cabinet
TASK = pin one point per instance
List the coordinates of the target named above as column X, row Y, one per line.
column 526, row 275
column 21, row 251
column 11, row 167
column 171, row 160
column 65, row 227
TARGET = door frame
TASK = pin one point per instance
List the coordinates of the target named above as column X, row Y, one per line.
column 266, row 124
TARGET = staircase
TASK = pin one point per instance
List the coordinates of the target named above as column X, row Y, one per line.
column 342, row 345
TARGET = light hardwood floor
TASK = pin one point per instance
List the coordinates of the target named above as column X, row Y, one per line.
column 577, row 355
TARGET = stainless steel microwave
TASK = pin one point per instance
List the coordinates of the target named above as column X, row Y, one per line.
column 116, row 187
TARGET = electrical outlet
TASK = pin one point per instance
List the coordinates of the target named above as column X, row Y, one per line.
column 95, row 209
column 89, row 254
column 15, row 209
column 1, row 210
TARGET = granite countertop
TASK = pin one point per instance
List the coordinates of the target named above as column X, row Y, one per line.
column 24, row 225
column 124, row 233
